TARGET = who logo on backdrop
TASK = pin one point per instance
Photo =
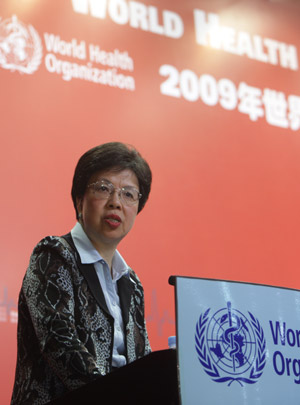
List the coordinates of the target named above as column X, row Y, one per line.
column 20, row 46
column 230, row 346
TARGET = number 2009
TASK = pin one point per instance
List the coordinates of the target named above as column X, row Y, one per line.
column 188, row 85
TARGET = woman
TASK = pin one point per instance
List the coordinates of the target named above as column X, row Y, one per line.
column 81, row 308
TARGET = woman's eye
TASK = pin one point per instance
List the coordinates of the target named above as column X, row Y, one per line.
column 102, row 188
column 128, row 194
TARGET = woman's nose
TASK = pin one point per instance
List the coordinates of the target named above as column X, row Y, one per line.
column 115, row 198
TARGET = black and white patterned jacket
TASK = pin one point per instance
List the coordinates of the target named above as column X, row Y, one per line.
column 65, row 331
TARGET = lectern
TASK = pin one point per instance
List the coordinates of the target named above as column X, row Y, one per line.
column 237, row 343
column 150, row 380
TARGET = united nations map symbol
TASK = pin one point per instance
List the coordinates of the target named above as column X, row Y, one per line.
column 20, row 46
column 230, row 346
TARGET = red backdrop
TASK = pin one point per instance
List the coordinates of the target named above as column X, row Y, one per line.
column 207, row 91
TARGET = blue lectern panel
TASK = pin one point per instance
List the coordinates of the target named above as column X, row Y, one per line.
column 238, row 343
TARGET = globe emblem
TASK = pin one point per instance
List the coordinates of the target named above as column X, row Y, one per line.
column 20, row 46
column 231, row 341
column 230, row 346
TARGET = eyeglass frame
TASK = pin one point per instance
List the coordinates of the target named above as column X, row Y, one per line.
column 118, row 189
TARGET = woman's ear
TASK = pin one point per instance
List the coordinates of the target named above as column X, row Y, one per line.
column 79, row 207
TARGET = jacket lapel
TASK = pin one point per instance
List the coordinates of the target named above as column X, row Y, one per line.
column 125, row 286
column 125, row 290
column 91, row 277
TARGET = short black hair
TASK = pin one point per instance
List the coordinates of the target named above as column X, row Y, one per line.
column 111, row 155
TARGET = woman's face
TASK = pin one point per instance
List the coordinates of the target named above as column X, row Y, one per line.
column 107, row 221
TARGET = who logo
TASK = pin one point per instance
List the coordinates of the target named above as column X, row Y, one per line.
column 230, row 346
column 20, row 46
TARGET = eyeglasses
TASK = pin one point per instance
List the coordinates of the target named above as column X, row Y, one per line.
column 103, row 190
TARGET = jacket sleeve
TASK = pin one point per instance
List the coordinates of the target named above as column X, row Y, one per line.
column 52, row 290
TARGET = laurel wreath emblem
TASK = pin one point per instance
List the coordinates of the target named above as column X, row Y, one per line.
column 32, row 63
column 210, row 368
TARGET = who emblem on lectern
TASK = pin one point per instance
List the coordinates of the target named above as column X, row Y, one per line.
column 230, row 346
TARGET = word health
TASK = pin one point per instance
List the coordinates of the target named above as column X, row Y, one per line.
column 210, row 33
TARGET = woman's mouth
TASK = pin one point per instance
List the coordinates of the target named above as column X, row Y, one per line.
column 113, row 221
